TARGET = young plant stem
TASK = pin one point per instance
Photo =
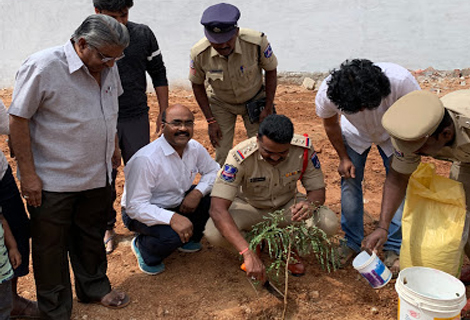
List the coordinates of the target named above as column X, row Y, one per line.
column 286, row 281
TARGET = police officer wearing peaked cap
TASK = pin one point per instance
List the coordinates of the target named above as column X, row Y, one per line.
column 422, row 124
column 232, row 60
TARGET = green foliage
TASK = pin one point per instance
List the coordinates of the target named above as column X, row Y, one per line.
column 276, row 233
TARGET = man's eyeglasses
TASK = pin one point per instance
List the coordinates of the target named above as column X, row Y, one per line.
column 105, row 59
column 180, row 124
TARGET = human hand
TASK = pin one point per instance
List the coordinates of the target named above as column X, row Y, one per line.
column 31, row 189
column 375, row 240
column 301, row 211
column 264, row 113
column 191, row 201
column 346, row 169
column 215, row 134
column 254, row 267
column 182, row 226
column 15, row 257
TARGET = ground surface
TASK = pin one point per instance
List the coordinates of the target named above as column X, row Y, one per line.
column 210, row 285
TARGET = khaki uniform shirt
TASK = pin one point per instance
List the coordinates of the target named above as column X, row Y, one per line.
column 248, row 176
column 459, row 151
column 237, row 78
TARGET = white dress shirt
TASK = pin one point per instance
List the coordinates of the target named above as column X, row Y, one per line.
column 158, row 178
column 365, row 127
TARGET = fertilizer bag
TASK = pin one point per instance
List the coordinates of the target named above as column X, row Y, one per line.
column 433, row 222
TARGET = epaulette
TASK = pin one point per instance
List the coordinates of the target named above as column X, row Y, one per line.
column 301, row 141
column 201, row 46
column 244, row 149
column 251, row 36
column 463, row 121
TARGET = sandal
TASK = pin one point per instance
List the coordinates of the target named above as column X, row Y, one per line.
column 392, row 261
column 109, row 241
column 115, row 300
column 344, row 254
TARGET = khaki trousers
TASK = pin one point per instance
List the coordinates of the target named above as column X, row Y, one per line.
column 226, row 116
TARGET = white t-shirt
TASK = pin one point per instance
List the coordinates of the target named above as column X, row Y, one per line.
column 364, row 128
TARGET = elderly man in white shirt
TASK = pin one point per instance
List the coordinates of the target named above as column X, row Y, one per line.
column 359, row 93
column 160, row 202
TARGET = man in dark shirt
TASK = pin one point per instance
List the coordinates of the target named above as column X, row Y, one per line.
column 142, row 55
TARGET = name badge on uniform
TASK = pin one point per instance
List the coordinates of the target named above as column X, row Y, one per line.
column 229, row 174
column 258, row 179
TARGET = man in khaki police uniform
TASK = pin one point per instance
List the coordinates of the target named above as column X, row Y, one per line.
column 260, row 176
column 232, row 60
column 422, row 124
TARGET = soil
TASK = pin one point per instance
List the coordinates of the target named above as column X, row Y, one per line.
column 209, row 284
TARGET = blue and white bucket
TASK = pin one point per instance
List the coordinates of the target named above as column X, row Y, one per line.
column 373, row 269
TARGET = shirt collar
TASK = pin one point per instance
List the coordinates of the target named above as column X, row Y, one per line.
column 168, row 149
column 73, row 60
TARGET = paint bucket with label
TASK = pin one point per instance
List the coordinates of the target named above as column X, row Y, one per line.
column 373, row 269
column 429, row 294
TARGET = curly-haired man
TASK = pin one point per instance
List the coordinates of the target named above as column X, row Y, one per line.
column 359, row 93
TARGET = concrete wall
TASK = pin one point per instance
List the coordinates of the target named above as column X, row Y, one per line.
column 306, row 35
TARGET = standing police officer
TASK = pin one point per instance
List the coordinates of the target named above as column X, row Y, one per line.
column 231, row 59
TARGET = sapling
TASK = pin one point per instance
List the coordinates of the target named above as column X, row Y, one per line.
column 281, row 237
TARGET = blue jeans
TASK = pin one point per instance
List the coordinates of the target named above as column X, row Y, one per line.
column 352, row 205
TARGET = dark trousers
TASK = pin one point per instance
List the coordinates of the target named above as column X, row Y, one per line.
column 14, row 212
column 133, row 134
column 69, row 224
column 159, row 241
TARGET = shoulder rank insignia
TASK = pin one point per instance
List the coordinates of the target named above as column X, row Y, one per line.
column 245, row 149
column 301, row 141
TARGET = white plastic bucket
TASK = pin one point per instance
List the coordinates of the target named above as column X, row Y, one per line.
column 373, row 269
column 429, row 294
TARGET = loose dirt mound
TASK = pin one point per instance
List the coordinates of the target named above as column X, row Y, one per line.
column 210, row 285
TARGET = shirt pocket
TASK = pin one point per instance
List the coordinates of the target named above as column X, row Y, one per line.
column 289, row 180
column 249, row 76
column 216, row 80
column 256, row 190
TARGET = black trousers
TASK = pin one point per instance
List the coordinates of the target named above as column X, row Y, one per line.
column 159, row 241
column 69, row 225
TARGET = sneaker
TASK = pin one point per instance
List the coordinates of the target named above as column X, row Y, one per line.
column 344, row 254
column 151, row 270
column 190, row 246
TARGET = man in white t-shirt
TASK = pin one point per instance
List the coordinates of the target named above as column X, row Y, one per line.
column 359, row 93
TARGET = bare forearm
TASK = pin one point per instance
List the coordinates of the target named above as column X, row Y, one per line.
column 393, row 195
column 162, row 97
column 333, row 131
column 202, row 100
column 225, row 224
column 10, row 241
column 271, row 85
column 316, row 197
